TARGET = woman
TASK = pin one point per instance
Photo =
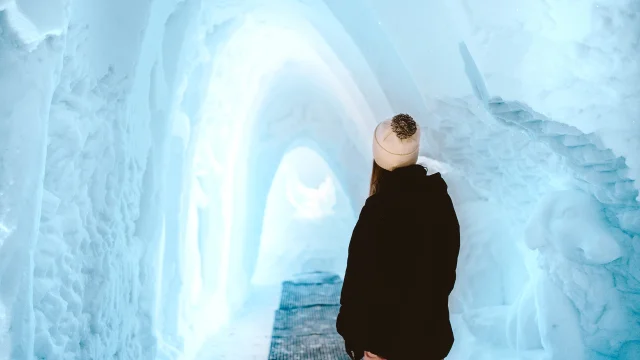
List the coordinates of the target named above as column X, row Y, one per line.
column 402, row 256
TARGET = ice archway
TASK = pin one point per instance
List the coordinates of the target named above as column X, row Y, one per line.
column 136, row 157
column 307, row 221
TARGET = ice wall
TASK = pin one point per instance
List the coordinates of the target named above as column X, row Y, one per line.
column 84, row 130
column 139, row 140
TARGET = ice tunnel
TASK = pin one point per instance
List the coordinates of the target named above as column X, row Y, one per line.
column 164, row 163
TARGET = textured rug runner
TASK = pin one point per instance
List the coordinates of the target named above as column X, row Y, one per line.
column 305, row 323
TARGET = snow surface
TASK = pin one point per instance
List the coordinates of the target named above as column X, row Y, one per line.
column 248, row 333
column 141, row 142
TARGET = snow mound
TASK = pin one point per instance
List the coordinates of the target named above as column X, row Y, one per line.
column 34, row 20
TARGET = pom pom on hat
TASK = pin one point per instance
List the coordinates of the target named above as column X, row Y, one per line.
column 396, row 142
column 403, row 126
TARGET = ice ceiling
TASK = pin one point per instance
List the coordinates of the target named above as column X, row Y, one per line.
column 139, row 141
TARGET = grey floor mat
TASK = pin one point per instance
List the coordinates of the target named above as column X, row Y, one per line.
column 312, row 347
column 299, row 295
column 305, row 324
column 312, row 320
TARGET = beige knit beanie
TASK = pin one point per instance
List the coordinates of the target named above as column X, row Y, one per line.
column 396, row 142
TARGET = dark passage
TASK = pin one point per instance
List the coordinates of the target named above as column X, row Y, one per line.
column 304, row 327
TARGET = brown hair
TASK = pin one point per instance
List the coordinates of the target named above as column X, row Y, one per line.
column 377, row 174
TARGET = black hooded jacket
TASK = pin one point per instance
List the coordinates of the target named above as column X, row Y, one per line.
column 401, row 269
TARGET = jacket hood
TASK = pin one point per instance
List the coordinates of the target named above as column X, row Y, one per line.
column 412, row 178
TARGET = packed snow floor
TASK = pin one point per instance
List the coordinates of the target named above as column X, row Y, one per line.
column 248, row 334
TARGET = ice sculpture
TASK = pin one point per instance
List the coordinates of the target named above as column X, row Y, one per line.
column 569, row 229
column 574, row 307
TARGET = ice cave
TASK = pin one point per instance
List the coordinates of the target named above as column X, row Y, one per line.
column 166, row 165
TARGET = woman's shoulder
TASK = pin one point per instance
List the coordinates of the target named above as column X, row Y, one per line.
column 371, row 203
column 372, row 208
